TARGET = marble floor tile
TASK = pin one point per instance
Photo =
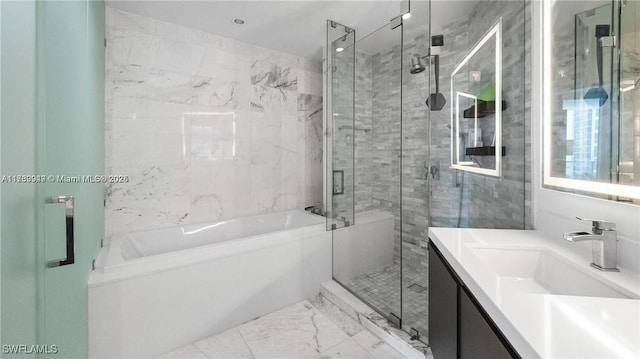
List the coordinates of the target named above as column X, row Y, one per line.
column 190, row 351
column 375, row 346
column 314, row 328
column 348, row 349
column 336, row 315
column 373, row 322
column 228, row 344
column 298, row 331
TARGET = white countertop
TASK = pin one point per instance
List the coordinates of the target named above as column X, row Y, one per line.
column 543, row 325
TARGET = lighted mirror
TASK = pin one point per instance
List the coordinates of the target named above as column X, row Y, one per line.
column 591, row 127
column 476, row 116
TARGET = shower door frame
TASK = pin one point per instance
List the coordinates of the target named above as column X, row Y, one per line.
column 396, row 22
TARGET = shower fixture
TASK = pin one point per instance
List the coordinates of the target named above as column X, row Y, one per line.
column 435, row 101
column 603, row 40
column 416, row 64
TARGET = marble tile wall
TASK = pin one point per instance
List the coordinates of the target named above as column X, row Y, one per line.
column 354, row 158
column 342, row 136
column 363, row 132
column 501, row 203
column 415, row 149
column 487, row 202
column 386, row 131
column 206, row 127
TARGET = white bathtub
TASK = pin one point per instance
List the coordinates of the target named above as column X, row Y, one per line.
column 158, row 290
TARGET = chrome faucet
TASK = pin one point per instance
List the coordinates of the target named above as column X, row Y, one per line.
column 605, row 243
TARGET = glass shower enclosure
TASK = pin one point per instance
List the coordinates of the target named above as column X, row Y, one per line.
column 364, row 137
column 388, row 172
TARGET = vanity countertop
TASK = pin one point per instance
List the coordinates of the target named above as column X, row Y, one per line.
column 540, row 324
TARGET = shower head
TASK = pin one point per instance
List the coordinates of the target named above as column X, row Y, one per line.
column 416, row 65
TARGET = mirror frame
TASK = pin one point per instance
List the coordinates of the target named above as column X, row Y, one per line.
column 612, row 189
column 496, row 30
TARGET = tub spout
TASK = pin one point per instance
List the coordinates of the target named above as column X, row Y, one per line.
column 315, row 209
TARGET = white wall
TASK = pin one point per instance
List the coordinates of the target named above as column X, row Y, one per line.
column 206, row 127
column 554, row 212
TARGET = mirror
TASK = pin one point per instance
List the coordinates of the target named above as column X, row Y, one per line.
column 591, row 98
column 476, row 119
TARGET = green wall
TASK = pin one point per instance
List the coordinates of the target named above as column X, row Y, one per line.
column 18, row 267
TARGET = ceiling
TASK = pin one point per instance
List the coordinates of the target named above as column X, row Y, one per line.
column 295, row 27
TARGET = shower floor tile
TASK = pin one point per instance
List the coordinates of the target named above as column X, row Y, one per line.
column 380, row 289
column 313, row 328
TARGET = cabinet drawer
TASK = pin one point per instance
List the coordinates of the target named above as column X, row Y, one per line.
column 459, row 327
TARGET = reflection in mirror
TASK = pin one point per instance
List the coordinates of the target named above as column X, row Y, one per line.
column 476, row 121
column 591, row 123
column 629, row 155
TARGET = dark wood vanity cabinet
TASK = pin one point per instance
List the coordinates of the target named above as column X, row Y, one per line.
column 459, row 328
column 443, row 309
column 476, row 338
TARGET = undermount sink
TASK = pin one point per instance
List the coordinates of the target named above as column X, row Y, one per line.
column 540, row 271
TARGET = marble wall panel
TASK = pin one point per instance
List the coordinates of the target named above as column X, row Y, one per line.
column 207, row 128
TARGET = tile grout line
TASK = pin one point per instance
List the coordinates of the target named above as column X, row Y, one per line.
column 335, row 345
column 380, row 341
column 203, row 353
column 327, row 303
column 349, row 337
column 245, row 342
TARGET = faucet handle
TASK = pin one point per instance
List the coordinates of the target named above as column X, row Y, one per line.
column 599, row 223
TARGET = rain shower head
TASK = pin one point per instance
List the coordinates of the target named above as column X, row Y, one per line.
column 416, row 65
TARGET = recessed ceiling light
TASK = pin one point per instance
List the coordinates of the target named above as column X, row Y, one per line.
column 406, row 16
column 339, row 49
column 238, row 21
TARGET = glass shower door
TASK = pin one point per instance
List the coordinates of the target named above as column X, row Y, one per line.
column 418, row 169
column 367, row 256
column 70, row 121
column 340, row 70
column 52, row 224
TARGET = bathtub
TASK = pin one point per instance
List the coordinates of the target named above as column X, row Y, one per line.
column 154, row 291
